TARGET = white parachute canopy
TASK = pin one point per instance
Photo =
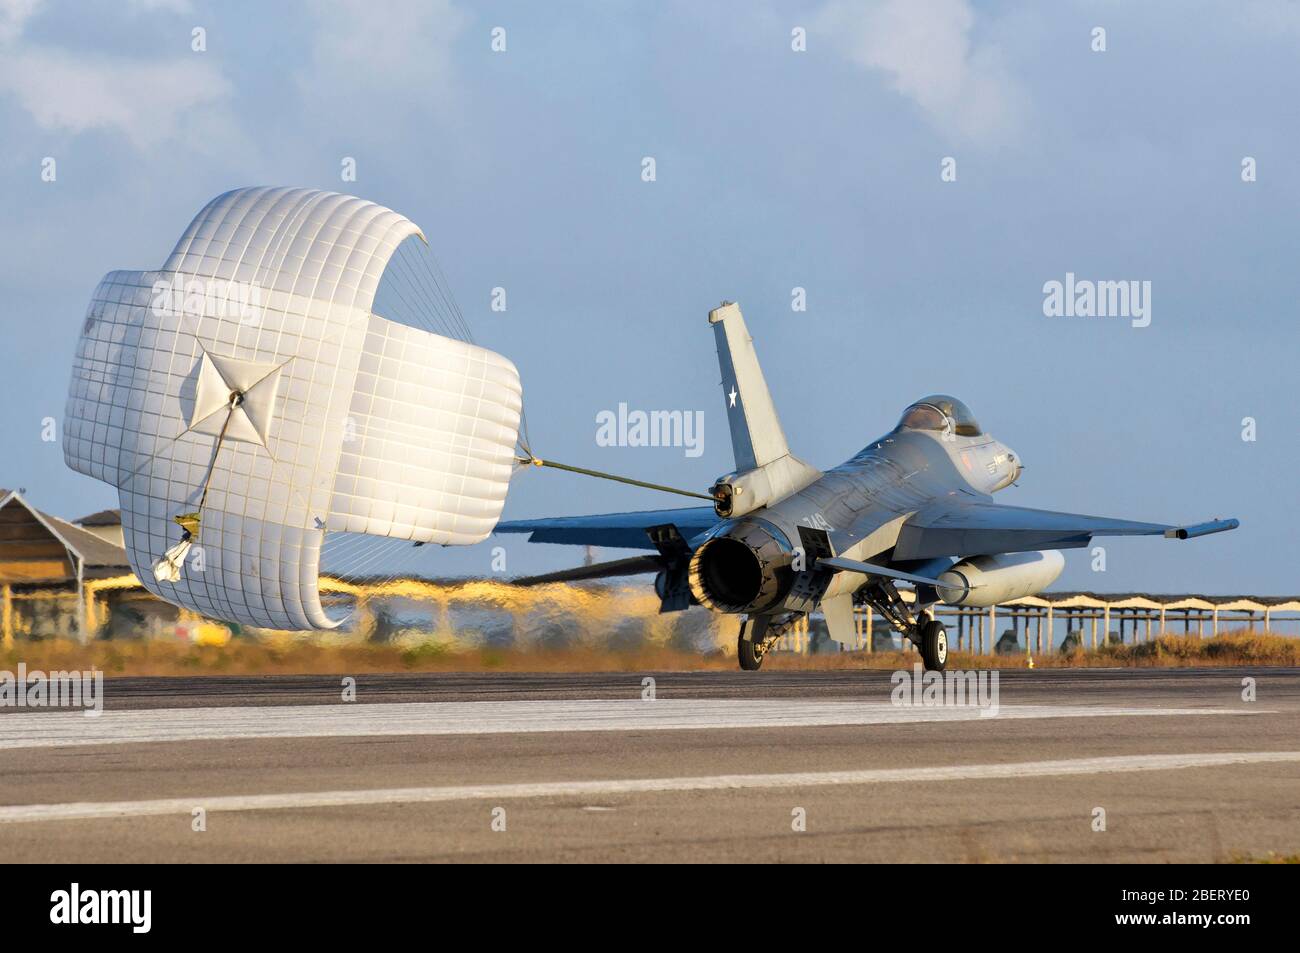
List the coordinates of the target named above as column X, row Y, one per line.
column 245, row 400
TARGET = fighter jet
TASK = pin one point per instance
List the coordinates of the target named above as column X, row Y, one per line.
column 784, row 539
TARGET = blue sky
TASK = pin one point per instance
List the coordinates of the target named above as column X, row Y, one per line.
column 775, row 169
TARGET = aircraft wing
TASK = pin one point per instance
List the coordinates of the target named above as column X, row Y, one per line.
column 620, row 530
column 974, row 528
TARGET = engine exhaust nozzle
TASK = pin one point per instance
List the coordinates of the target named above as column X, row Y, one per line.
column 743, row 568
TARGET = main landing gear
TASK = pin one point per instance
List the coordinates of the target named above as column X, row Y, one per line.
column 759, row 633
column 757, row 636
column 923, row 630
column 934, row 646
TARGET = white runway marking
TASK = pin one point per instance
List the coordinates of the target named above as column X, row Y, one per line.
column 26, row 813
column 61, row 729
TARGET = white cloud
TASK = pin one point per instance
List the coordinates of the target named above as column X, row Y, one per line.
column 147, row 100
column 14, row 15
column 1270, row 17
column 925, row 48
column 170, row 6
column 360, row 54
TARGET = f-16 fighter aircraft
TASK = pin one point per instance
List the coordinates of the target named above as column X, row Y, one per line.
column 784, row 539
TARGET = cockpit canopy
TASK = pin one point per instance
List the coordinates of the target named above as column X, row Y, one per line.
column 939, row 412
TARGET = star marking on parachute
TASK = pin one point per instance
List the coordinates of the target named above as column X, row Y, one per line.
column 732, row 395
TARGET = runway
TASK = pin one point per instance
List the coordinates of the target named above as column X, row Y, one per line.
column 770, row 766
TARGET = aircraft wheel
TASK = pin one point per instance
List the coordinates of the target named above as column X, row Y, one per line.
column 934, row 646
column 751, row 659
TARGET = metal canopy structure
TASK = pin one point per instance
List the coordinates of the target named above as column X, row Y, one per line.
column 1089, row 616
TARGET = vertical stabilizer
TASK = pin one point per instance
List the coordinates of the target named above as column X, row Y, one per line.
column 756, row 435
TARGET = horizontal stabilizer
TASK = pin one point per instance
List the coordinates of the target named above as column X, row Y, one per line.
column 617, row 530
column 634, row 566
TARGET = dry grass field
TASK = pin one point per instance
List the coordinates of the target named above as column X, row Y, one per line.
column 304, row 655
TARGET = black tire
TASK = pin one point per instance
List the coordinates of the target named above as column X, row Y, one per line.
column 934, row 646
column 750, row 660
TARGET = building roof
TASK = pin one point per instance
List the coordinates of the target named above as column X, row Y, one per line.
column 1162, row 597
column 101, row 518
column 94, row 552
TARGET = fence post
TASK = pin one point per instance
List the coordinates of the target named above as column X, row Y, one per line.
column 7, row 617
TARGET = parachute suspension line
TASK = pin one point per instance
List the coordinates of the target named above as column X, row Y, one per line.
column 538, row 462
column 168, row 568
column 423, row 295
column 429, row 283
column 434, row 274
column 363, row 554
column 436, row 293
column 425, row 303
column 424, row 288
column 521, row 442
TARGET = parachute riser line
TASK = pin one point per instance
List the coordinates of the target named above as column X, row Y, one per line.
column 538, row 462
column 236, row 398
column 168, row 568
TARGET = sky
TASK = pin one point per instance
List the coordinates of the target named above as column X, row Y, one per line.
column 795, row 146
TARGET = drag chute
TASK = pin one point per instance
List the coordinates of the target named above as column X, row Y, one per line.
column 294, row 369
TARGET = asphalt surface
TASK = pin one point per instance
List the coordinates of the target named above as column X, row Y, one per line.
column 719, row 766
column 1042, row 686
